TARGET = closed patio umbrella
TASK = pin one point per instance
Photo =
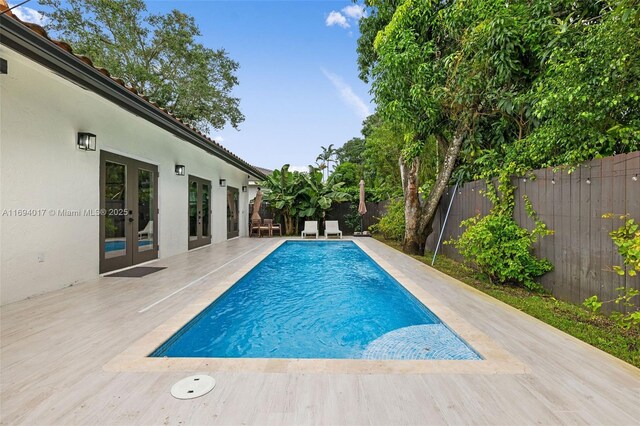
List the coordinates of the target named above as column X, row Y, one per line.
column 257, row 202
column 362, row 207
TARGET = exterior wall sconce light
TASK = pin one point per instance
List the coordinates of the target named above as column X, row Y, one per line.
column 86, row 141
column 180, row 169
column 244, row 189
column 223, row 182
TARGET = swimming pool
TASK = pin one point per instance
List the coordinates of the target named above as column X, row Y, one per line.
column 312, row 299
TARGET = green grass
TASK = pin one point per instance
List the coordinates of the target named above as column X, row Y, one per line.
column 598, row 331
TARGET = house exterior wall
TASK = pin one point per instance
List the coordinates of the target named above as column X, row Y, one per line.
column 41, row 169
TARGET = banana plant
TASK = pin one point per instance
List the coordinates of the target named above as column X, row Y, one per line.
column 319, row 196
column 283, row 192
column 303, row 195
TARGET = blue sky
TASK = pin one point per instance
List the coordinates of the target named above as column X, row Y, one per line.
column 299, row 85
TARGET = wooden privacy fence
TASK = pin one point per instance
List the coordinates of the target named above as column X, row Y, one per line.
column 345, row 213
column 572, row 205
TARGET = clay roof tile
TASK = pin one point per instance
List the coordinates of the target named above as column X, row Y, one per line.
column 5, row 7
column 85, row 59
column 63, row 45
column 104, row 72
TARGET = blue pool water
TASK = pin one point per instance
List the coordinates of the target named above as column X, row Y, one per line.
column 120, row 245
column 317, row 300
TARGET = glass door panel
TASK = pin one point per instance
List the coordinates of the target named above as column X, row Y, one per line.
column 115, row 194
column 145, row 210
column 193, row 210
column 144, row 216
column 199, row 212
column 205, row 206
column 233, row 226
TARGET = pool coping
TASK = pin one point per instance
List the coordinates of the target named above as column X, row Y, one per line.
column 496, row 360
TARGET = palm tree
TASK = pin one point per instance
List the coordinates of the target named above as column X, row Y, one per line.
column 326, row 157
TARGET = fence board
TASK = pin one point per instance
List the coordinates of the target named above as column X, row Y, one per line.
column 578, row 183
column 557, row 237
column 619, row 206
column 534, row 193
column 545, row 212
column 581, row 242
column 607, row 282
column 563, row 230
column 593, row 279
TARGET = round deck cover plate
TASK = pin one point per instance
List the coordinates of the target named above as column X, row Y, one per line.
column 193, row 386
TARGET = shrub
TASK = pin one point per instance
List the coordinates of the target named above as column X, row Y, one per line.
column 391, row 225
column 499, row 247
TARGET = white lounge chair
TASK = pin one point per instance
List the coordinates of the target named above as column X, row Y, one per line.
column 331, row 228
column 310, row 228
column 147, row 232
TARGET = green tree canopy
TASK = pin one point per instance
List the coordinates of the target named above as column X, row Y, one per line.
column 156, row 54
column 587, row 101
column 351, row 151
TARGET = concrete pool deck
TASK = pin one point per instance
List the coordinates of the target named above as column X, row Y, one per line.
column 61, row 360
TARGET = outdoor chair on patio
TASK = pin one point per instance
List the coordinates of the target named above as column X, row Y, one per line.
column 332, row 228
column 273, row 227
column 310, row 228
column 257, row 227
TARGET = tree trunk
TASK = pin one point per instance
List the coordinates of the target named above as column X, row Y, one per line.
column 409, row 171
column 288, row 224
column 419, row 217
column 429, row 209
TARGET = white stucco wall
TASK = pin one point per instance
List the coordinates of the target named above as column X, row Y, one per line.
column 41, row 168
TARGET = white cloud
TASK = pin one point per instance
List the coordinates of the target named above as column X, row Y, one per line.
column 353, row 101
column 26, row 14
column 336, row 18
column 349, row 14
column 354, row 11
column 301, row 169
column 218, row 139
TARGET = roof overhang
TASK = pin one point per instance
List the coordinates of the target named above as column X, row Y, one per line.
column 20, row 38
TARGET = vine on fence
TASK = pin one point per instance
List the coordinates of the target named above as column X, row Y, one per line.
column 627, row 239
column 498, row 246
